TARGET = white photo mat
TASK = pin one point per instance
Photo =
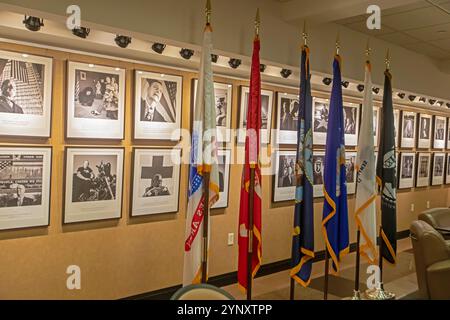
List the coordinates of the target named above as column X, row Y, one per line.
column 282, row 135
column 423, row 169
column 437, row 172
column 408, row 129
column 280, row 191
column 447, row 175
column 439, row 134
column 407, row 170
column 351, row 126
column 424, row 135
column 224, row 176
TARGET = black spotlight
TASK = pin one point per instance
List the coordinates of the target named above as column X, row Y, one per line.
column 440, row 103
column 234, row 63
column 327, row 81
column 285, row 73
column 401, row 95
column 262, row 67
column 411, row 98
column 432, row 101
column 360, row 87
column 423, row 99
column 122, row 41
column 448, row 104
column 81, row 32
column 345, row 84
column 376, row 90
column 186, row 53
column 214, row 58
column 33, row 23
column 158, row 47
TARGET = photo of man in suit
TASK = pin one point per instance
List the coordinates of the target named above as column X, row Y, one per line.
column 156, row 102
column 19, row 198
column 8, row 93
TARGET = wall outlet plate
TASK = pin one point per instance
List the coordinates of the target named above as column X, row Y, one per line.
column 230, row 239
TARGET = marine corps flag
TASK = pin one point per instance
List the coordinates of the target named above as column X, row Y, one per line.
column 387, row 175
column 335, row 211
column 252, row 146
column 303, row 234
column 203, row 159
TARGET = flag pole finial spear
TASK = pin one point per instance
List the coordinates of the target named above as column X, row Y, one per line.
column 368, row 50
column 208, row 12
column 338, row 43
column 388, row 60
column 257, row 23
column 305, row 34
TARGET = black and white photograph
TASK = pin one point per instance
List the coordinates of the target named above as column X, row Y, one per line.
column 437, row 176
column 350, row 172
column 224, row 161
column 320, row 120
column 407, row 166
column 424, row 140
column 156, row 181
column 284, row 179
column 351, row 123
column 157, row 106
column 93, row 184
column 318, row 167
column 376, row 125
column 448, row 134
column 423, row 169
column 95, row 101
column 447, row 174
column 266, row 115
column 408, row 133
column 25, row 94
column 223, row 96
column 24, row 187
column 396, row 125
column 440, row 126
column 287, row 118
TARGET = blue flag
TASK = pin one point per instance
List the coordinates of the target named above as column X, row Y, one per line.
column 335, row 211
column 303, row 235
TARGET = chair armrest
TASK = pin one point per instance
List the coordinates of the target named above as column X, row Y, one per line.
column 438, row 275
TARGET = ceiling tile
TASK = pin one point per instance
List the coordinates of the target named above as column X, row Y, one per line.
column 414, row 19
column 429, row 50
column 362, row 27
column 359, row 18
column 440, row 31
column 398, row 38
column 413, row 6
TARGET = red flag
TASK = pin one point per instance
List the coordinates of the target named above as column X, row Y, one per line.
column 252, row 142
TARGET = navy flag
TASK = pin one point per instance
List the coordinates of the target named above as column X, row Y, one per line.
column 387, row 176
column 303, row 235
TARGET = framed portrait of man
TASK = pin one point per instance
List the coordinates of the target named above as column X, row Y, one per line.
column 396, row 125
column 266, row 114
column 156, row 181
column 318, row 167
column 437, row 176
column 224, row 161
column 350, row 172
column 406, row 174
column 157, row 106
column 93, row 184
column 25, row 95
column 223, row 95
column 447, row 173
column 440, row 127
column 408, row 133
column 351, row 123
column 376, row 125
column 95, row 101
column 423, row 169
column 284, row 182
column 25, row 174
column 424, row 139
column 287, row 118
column 321, row 109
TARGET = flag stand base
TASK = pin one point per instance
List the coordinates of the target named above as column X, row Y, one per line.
column 356, row 295
column 379, row 294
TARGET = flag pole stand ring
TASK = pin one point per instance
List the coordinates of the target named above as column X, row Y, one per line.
column 379, row 293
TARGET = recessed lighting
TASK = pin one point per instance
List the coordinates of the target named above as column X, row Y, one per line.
column 140, row 72
column 91, row 65
column 162, row 75
column 285, row 94
column 229, row 86
column 117, row 69
column 25, row 55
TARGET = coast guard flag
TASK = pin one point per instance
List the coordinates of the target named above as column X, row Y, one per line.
column 303, row 235
column 252, row 144
column 203, row 159
column 366, row 192
column 387, row 176
column 335, row 211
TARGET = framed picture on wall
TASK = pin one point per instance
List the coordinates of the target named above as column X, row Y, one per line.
column 25, row 95
column 156, row 181
column 223, row 99
column 157, row 106
column 321, row 109
column 439, row 132
column 224, row 160
column 437, row 177
column 287, row 118
column 448, row 134
column 376, row 125
column 93, row 184
column 408, row 133
column 95, row 101
column 284, row 182
column 424, row 139
column 350, row 171
column 423, row 169
column 266, row 114
column 447, row 174
column 318, row 166
column 396, row 125
column 25, row 175
column 351, row 123
column 406, row 175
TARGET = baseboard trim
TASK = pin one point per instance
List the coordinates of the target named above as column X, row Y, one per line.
column 231, row 277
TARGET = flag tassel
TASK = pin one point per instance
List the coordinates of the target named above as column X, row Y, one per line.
column 250, row 232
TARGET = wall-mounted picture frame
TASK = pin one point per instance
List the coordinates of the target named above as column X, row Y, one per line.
column 440, row 127
column 284, row 182
column 408, row 133
column 266, row 114
column 156, row 181
column 447, row 174
column 25, row 174
column 157, row 106
column 350, row 172
column 93, row 180
column 437, row 173
column 95, row 101
column 376, row 125
column 448, row 134
column 321, row 109
column 223, row 93
column 396, row 125
column 25, row 95
column 406, row 172
column 424, row 136
column 287, row 118
column 423, row 169
column 318, row 166
column 224, row 162
column 351, row 123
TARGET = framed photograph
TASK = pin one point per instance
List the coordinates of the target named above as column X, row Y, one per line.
column 406, row 176
column 321, row 108
column 157, row 106
column 408, row 129
column 423, row 169
column 284, row 180
column 396, row 125
column 437, row 177
column 448, row 134
column 223, row 95
column 25, row 95
column 447, row 175
column 287, row 118
column 440, row 126
column 224, row 160
column 351, row 123
column 156, row 181
column 93, row 184
column 350, row 171
column 25, row 175
column 424, row 140
column 266, row 115
column 376, row 125
column 318, row 166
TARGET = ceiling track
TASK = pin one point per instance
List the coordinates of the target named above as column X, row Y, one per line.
column 438, row 6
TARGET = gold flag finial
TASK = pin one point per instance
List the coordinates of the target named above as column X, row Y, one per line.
column 388, row 60
column 257, row 23
column 305, row 34
column 338, row 43
column 368, row 49
column 208, row 11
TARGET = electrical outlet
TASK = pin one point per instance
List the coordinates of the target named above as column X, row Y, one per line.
column 412, row 207
column 230, row 239
column 428, row 204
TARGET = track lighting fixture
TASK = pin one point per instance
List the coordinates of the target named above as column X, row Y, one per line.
column 122, row 41
column 345, row 84
column 423, row 99
column 158, row 47
column 214, row 58
column 285, row 73
column 33, row 23
column 448, row 104
column 262, row 67
column 401, row 95
column 81, row 32
column 327, row 81
column 440, row 103
column 376, row 90
column 234, row 63
column 360, row 87
column 411, row 98
column 432, row 101
column 186, row 53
